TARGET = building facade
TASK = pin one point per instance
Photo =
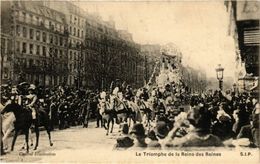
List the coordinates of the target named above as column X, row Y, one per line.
column 38, row 42
column 75, row 18
column 57, row 43
column 151, row 54
column 109, row 55
column 244, row 27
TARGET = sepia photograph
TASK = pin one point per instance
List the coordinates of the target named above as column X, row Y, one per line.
column 131, row 81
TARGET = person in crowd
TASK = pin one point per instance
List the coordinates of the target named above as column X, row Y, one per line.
column 222, row 127
column 144, row 95
column 129, row 93
column 198, row 134
column 124, row 141
column 152, row 141
column 138, row 133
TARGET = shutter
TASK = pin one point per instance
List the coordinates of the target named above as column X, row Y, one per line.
column 251, row 37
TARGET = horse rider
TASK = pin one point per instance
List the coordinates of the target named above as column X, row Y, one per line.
column 31, row 100
column 15, row 97
column 144, row 95
column 128, row 94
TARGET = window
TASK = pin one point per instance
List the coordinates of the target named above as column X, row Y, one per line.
column 24, row 32
column 75, row 20
column 51, row 25
column 37, row 63
column 24, row 47
column 51, row 52
column 18, row 46
column 61, row 54
column 70, row 55
column 30, row 62
column 31, row 18
column 44, row 51
column 61, row 41
column 82, row 33
column 44, row 37
column 74, row 31
column 31, row 48
column 56, row 53
column 37, row 21
column 56, row 40
column 37, row 35
column 78, row 32
column 18, row 30
column 31, row 33
column 75, row 56
column 37, row 50
column 70, row 30
column 24, row 16
column 51, row 38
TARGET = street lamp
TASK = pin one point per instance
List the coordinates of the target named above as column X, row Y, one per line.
column 219, row 71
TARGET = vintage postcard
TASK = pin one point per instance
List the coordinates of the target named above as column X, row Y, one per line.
column 130, row 81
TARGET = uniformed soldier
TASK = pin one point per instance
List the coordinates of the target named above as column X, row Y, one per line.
column 63, row 113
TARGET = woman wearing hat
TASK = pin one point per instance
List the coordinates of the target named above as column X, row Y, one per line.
column 32, row 98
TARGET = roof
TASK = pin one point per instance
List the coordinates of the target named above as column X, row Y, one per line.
column 37, row 8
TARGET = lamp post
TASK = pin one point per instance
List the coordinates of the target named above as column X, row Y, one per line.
column 219, row 71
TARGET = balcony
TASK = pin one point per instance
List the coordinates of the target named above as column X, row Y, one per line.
column 41, row 26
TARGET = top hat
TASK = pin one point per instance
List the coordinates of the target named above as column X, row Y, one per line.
column 138, row 130
column 161, row 129
column 125, row 129
column 152, row 135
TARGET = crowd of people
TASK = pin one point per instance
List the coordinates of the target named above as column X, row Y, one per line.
column 212, row 119
column 163, row 117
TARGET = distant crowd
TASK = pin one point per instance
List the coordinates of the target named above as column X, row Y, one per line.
column 163, row 117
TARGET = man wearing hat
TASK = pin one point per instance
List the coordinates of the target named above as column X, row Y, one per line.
column 152, row 141
column 125, row 141
column 138, row 133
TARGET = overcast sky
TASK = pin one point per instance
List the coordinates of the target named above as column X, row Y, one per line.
column 199, row 29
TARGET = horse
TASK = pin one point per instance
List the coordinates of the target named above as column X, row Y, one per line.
column 146, row 113
column 107, row 112
column 23, row 121
column 134, row 113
